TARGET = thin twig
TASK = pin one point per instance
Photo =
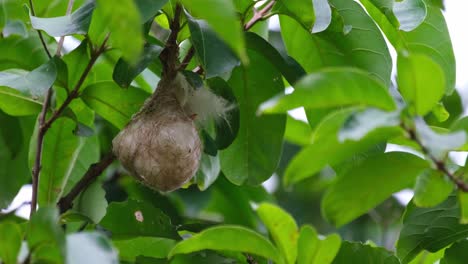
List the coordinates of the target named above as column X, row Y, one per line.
column 169, row 56
column 440, row 164
column 62, row 38
column 41, row 37
column 66, row 202
column 45, row 125
column 259, row 15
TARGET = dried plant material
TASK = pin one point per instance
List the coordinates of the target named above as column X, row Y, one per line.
column 161, row 146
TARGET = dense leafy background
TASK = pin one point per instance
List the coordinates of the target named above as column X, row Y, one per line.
column 330, row 178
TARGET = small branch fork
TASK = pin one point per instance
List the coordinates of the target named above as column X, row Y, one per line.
column 439, row 164
column 43, row 122
column 258, row 16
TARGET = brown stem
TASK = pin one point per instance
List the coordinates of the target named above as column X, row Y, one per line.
column 45, row 125
column 169, row 56
column 259, row 15
column 41, row 37
column 440, row 164
column 66, row 202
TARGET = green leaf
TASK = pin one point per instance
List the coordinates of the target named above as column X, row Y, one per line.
column 123, row 22
column 254, row 154
column 288, row 67
column 437, row 144
column 14, row 144
column 13, row 49
column 59, row 154
column 90, row 247
column 11, row 237
column 312, row 249
column 363, row 46
column 326, row 149
column 43, row 230
column 226, row 129
column 397, row 170
column 149, row 8
column 457, row 253
column 333, row 87
column 228, row 238
column 221, row 16
column 208, row 171
column 215, row 56
column 33, row 84
column 430, row 228
column 125, row 72
column 428, row 258
column 76, row 62
column 432, row 188
column 282, row 228
column 75, row 23
column 298, row 132
column 355, row 252
column 113, row 103
column 13, row 102
column 137, row 218
column 155, row 247
column 419, row 89
column 92, row 202
column 421, row 39
column 301, row 10
column 463, row 201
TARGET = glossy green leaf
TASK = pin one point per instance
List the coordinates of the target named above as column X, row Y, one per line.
column 333, row 87
column 90, row 247
column 457, row 253
column 326, row 149
column 92, row 202
column 313, row 249
column 155, row 247
column 463, row 201
column 14, row 103
column 44, row 230
column 59, row 154
column 355, row 252
column 360, row 123
column 228, row 238
column 432, row 188
column 75, row 23
column 421, row 39
column 420, row 89
column 149, row 8
column 301, row 10
column 221, row 16
column 254, row 154
column 288, row 67
column 438, row 144
column 430, row 228
column 215, row 56
column 13, row 49
column 426, row 257
column 398, row 170
column 208, row 171
column 14, row 144
column 137, row 218
column 33, row 84
column 282, row 228
column 123, row 22
column 226, row 129
column 11, row 237
column 124, row 72
column 363, row 46
column 297, row 132
column 114, row 104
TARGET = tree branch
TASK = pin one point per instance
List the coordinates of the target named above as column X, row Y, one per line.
column 440, row 164
column 66, row 202
column 41, row 37
column 169, row 56
column 45, row 125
